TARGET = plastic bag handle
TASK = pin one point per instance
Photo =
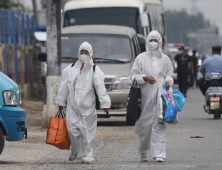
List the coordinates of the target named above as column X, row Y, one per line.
column 60, row 112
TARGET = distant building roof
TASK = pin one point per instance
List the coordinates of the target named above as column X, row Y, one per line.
column 40, row 28
column 40, row 36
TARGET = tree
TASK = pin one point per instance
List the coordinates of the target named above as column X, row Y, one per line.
column 178, row 23
column 9, row 4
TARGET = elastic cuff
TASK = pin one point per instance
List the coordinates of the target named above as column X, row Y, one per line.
column 61, row 104
column 140, row 79
column 107, row 106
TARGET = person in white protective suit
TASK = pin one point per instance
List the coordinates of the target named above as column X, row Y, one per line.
column 151, row 69
column 77, row 90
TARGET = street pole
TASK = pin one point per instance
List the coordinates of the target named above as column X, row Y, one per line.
column 35, row 13
column 53, row 59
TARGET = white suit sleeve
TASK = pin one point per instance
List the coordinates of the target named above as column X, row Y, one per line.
column 99, row 85
column 136, row 73
column 63, row 89
column 169, row 71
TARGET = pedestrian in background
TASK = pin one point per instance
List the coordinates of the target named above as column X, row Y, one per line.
column 189, row 81
column 167, row 52
column 204, row 57
column 183, row 61
column 151, row 70
column 77, row 90
column 193, row 76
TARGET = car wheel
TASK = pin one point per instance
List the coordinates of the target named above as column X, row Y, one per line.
column 2, row 141
column 130, row 121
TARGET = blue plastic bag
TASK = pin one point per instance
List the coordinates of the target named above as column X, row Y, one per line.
column 179, row 100
column 169, row 107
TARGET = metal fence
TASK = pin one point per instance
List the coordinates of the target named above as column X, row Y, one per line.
column 16, row 28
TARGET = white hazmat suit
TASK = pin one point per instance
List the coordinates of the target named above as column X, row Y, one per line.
column 151, row 133
column 77, row 89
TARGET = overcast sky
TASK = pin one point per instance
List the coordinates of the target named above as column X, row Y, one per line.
column 212, row 9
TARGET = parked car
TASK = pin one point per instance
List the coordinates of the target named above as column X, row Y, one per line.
column 12, row 117
column 114, row 51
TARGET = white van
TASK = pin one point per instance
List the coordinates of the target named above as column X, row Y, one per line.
column 114, row 51
column 141, row 15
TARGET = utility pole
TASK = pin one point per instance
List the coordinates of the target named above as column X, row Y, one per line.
column 53, row 59
column 35, row 13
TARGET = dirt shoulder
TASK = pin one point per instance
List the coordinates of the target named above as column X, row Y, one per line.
column 33, row 112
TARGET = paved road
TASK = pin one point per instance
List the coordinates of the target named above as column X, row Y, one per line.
column 115, row 148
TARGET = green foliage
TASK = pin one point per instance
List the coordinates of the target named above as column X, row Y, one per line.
column 43, row 3
column 9, row 4
column 180, row 22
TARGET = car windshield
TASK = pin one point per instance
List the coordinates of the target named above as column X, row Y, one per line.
column 106, row 48
column 109, row 16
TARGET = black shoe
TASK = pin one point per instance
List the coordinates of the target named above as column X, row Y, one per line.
column 185, row 95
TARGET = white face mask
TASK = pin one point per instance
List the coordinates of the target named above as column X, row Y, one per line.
column 84, row 58
column 153, row 46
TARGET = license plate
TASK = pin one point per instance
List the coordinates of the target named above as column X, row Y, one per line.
column 214, row 105
column 214, row 99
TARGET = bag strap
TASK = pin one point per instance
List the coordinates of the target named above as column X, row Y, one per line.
column 94, row 68
column 134, row 83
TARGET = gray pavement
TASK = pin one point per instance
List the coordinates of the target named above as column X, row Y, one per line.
column 115, row 145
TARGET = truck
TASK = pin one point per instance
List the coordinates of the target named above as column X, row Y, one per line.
column 12, row 117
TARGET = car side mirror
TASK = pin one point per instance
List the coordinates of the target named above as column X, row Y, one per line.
column 42, row 57
column 144, row 20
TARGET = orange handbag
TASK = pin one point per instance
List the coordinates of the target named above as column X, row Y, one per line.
column 57, row 134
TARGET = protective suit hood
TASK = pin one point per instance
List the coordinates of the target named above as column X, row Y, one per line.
column 154, row 35
column 88, row 47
